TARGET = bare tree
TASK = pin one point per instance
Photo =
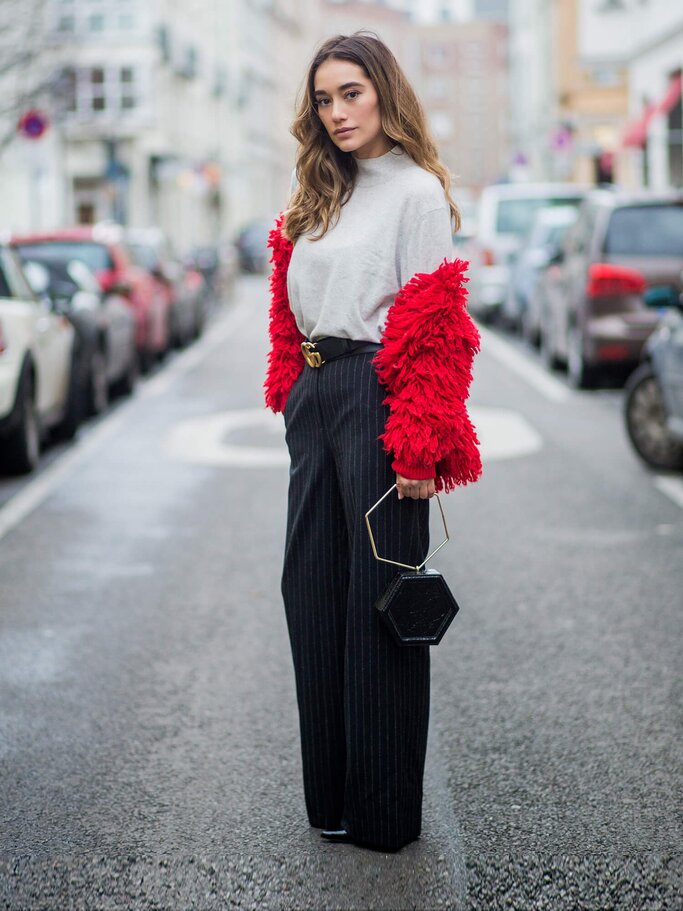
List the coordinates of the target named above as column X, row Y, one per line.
column 25, row 73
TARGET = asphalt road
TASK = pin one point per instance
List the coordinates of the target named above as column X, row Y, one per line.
column 148, row 731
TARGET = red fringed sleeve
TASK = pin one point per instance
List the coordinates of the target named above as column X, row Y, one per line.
column 429, row 344
column 285, row 362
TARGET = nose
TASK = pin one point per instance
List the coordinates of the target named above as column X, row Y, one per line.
column 338, row 112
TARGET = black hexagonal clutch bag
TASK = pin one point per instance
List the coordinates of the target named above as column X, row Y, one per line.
column 417, row 606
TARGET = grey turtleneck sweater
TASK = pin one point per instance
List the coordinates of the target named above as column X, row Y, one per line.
column 396, row 223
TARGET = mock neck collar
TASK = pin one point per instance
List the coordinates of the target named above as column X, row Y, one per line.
column 378, row 170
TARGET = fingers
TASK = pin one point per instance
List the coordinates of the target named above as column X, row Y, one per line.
column 415, row 490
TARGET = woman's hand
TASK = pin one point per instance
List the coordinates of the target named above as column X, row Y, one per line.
column 415, row 490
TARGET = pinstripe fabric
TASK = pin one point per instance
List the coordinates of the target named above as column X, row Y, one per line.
column 363, row 700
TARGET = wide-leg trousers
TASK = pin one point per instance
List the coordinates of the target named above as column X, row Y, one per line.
column 363, row 700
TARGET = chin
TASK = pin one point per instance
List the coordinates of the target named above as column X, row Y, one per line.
column 350, row 145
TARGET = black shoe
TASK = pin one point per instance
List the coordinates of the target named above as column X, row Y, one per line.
column 340, row 835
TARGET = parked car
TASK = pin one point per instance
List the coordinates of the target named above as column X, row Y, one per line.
column 104, row 324
column 620, row 268
column 150, row 249
column 39, row 372
column 466, row 202
column 251, row 247
column 100, row 247
column 653, row 404
column 547, row 230
column 218, row 265
column 504, row 216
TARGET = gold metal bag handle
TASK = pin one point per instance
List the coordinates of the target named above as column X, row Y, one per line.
column 395, row 562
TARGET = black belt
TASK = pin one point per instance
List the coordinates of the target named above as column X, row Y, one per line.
column 327, row 349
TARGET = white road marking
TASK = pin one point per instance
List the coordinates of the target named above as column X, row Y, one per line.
column 36, row 491
column 671, row 488
column 504, row 434
column 202, row 440
column 536, row 376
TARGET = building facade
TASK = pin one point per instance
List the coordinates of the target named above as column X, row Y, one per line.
column 458, row 69
column 651, row 46
column 163, row 112
column 568, row 102
column 461, row 78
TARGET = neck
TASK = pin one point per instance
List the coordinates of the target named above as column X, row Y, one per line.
column 375, row 149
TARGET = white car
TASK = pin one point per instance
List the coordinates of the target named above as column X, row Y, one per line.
column 37, row 369
column 504, row 216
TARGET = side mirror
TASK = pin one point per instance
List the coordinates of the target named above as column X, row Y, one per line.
column 38, row 277
column 85, row 300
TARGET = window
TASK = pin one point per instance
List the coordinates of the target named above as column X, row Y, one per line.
column 103, row 89
column 14, row 280
column 651, row 230
column 96, row 17
column 515, row 215
column 438, row 87
column 94, row 255
column 437, row 56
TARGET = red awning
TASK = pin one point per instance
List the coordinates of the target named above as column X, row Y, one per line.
column 673, row 93
column 635, row 133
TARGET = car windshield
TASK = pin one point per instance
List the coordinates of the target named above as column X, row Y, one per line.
column 650, row 230
column 94, row 255
column 516, row 215
column 144, row 255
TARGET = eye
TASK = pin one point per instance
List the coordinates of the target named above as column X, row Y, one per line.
column 352, row 92
column 321, row 102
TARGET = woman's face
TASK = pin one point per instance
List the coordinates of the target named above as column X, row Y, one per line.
column 348, row 107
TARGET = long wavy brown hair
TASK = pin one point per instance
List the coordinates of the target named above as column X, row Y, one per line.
column 325, row 174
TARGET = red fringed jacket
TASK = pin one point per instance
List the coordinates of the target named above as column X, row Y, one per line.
column 425, row 363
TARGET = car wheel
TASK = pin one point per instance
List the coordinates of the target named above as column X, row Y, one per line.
column 645, row 417
column 21, row 448
column 125, row 385
column 76, row 404
column 199, row 320
column 530, row 332
column 548, row 353
column 98, row 387
column 145, row 359
column 581, row 374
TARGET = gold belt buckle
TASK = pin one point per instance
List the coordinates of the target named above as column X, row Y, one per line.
column 311, row 356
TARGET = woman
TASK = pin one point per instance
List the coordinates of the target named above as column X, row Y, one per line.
column 371, row 363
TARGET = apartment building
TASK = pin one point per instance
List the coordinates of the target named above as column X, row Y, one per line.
column 458, row 70
column 647, row 38
column 169, row 112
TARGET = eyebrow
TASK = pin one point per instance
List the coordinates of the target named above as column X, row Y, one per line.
column 347, row 85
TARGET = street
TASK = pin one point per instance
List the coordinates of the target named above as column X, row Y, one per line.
column 148, row 726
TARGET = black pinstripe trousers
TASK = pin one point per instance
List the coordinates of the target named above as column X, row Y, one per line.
column 363, row 701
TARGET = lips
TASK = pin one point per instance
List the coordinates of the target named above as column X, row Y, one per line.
column 344, row 132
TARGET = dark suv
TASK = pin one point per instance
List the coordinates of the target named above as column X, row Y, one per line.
column 617, row 272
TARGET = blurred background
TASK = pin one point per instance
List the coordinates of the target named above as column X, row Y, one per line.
column 176, row 114
column 147, row 703
column 149, row 142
